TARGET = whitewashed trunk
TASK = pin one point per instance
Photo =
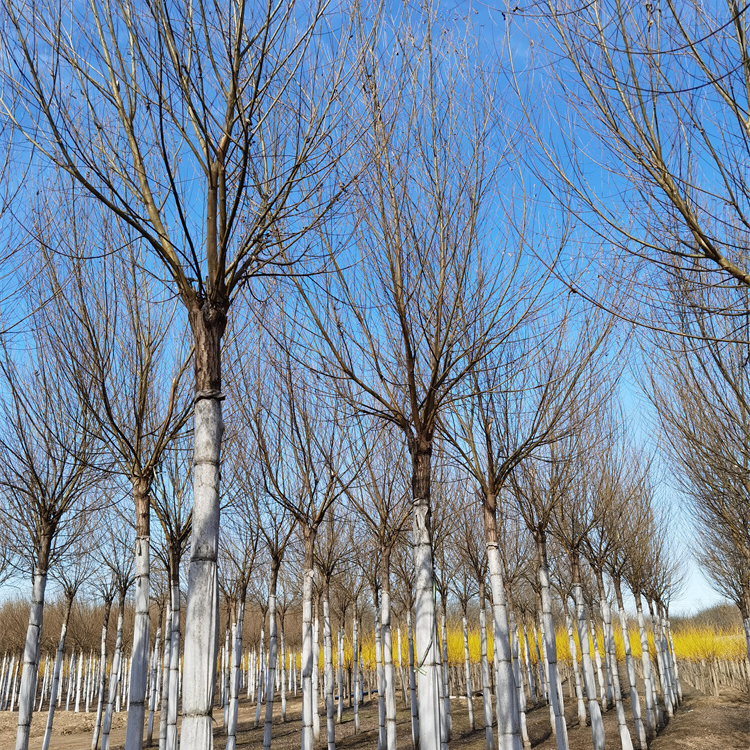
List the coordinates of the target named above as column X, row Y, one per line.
column 260, row 678
column 27, row 696
column 272, row 654
column 529, row 669
column 327, row 675
column 379, row 673
column 599, row 671
column 78, row 683
column 652, row 715
column 518, row 675
column 609, row 645
column 235, row 684
column 340, row 675
column 489, row 739
column 576, row 673
column 426, row 665
column 357, row 688
column 202, row 611
column 59, row 660
column 550, row 647
column 467, row 673
column 635, row 701
column 283, row 674
column 113, row 682
column 389, row 672
column 164, row 705
column 447, row 718
column 508, row 727
column 589, row 680
column 141, row 638
column 307, row 661
column 152, row 690
column 316, row 677
column 673, row 657
column 102, row 683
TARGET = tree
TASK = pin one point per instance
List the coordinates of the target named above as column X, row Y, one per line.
column 421, row 291
column 47, row 478
column 660, row 93
column 212, row 132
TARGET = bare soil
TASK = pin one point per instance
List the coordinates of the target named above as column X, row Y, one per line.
column 702, row 722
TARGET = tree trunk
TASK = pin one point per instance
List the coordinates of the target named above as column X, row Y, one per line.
column 609, row 648
column 272, row 654
column 635, row 701
column 235, row 682
column 389, row 674
column 102, row 676
column 424, row 605
column 467, row 672
column 173, row 698
column 508, row 723
column 27, row 695
column 550, row 647
column 489, row 739
column 141, row 639
column 152, row 689
column 529, row 669
column 307, row 644
column 576, row 674
column 412, row 683
column 202, row 613
column 328, row 669
column 164, row 707
column 653, row 716
column 59, row 660
column 447, row 720
column 355, row 667
column 589, row 683
column 114, row 676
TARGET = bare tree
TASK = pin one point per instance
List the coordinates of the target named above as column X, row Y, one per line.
column 212, row 131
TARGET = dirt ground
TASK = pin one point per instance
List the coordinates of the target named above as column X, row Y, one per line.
column 701, row 723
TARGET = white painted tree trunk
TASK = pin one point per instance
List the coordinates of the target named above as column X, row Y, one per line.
column 489, row 739
column 529, row 669
column 114, row 676
column 340, row 675
column 102, row 682
column 550, row 647
column 673, row 657
column 599, row 671
column 467, row 673
column 283, row 674
column 609, row 646
column 576, row 673
column 589, row 681
column 202, row 612
column 78, row 683
column 307, row 660
column 141, row 639
column 355, row 667
column 518, row 675
column 235, row 684
column 379, row 671
column 327, row 672
column 635, row 701
column 59, row 660
column 426, row 656
column 45, row 680
column 27, row 695
column 652, row 709
column 447, row 718
column 389, row 672
column 508, row 727
column 152, row 693
column 260, row 678
column 164, row 705
column 316, row 677
column 272, row 654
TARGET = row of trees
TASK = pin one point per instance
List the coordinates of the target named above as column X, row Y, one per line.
column 338, row 180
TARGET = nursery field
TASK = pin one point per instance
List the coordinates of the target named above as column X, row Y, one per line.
column 703, row 722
